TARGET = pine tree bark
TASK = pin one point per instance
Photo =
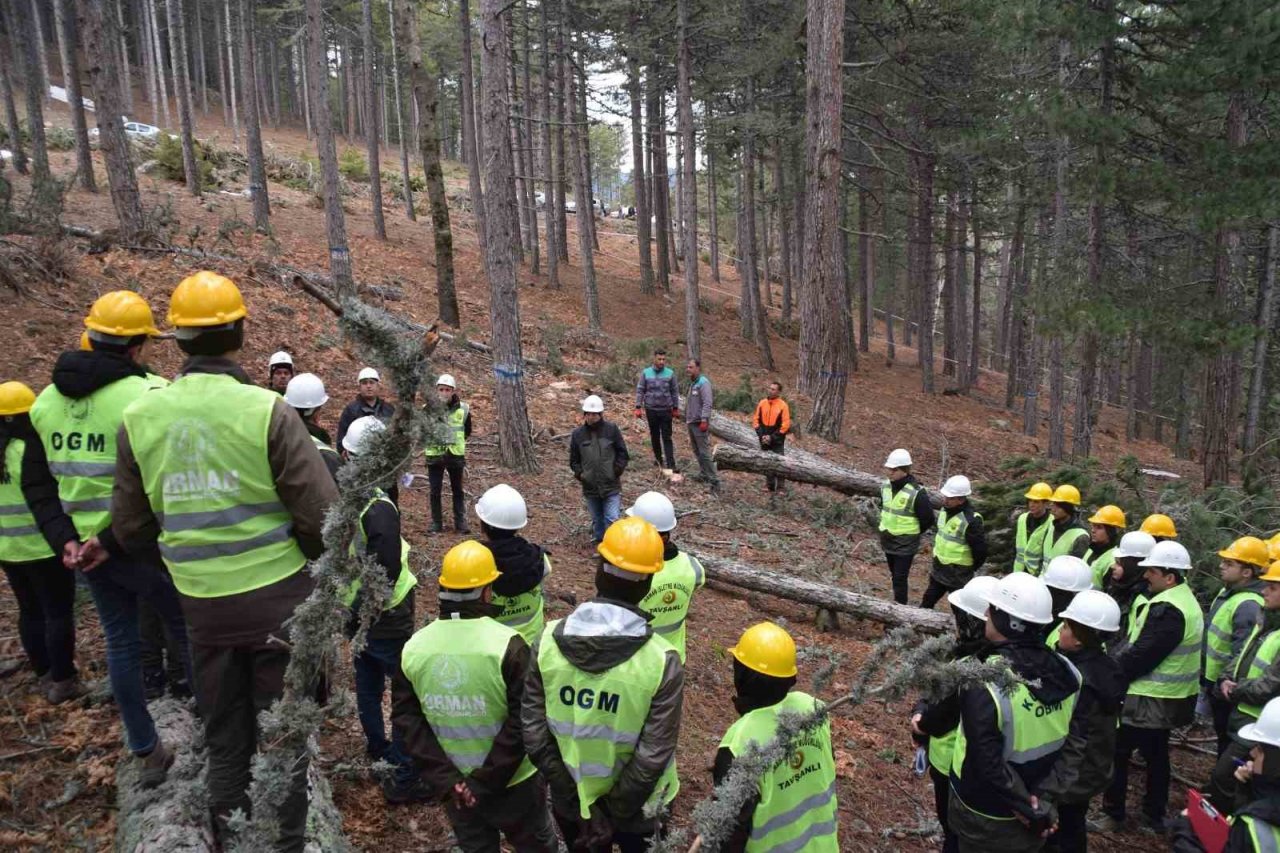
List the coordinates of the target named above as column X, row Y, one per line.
column 561, row 101
column 960, row 306
column 470, row 133
column 42, row 57
column 638, row 178
column 866, row 269
column 372, row 131
column 1266, row 313
column 975, row 348
column 25, row 28
column 516, row 100
column 406, row 175
column 528, row 143
column 202, row 69
column 554, row 235
column 122, row 59
column 658, row 149
column 713, row 199
column 64, row 22
column 11, row 115
column 157, row 56
column 784, row 231
column 1029, row 351
column 223, row 94
column 182, row 88
column 925, row 286
column 950, row 263
column 581, row 193
column 258, row 192
column 689, row 188
column 318, row 80
column 234, row 95
column 755, row 319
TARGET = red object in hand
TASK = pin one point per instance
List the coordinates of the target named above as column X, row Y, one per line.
column 639, row 412
column 702, row 425
column 675, row 413
column 1209, row 825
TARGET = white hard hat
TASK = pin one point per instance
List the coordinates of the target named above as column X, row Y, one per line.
column 1025, row 597
column 361, row 430
column 898, row 459
column 1136, row 544
column 367, row 373
column 1068, row 573
column 1094, row 609
column 1168, row 555
column 447, row 379
column 593, row 404
column 975, row 596
column 655, row 508
column 305, row 391
column 503, row 507
column 278, row 359
column 1267, row 728
column 955, row 487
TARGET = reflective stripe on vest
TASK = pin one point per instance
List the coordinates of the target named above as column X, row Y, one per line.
column 456, row 427
column 949, row 545
column 1178, row 675
column 1265, row 836
column 405, row 581
column 669, row 598
column 525, row 613
column 897, row 512
column 1266, row 655
column 223, row 529
column 1028, row 548
column 596, row 717
column 1217, row 631
column 79, row 438
column 797, row 807
column 455, row 667
column 1101, row 566
column 20, row 537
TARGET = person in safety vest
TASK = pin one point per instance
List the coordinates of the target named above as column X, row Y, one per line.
column 1127, row 583
column 1066, row 577
column 959, row 546
column 450, row 456
column 1007, row 743
column 279, row 371
column 378, row 537
column 602, row 704
column 794, row 806
column 235, row 494
column 1106, row 527
column 522, row 565
column 673, row 587
column 1232, row 616
column 905, row 515
column 457, row 697
column 1066, row 533
column 933, row 725
column 78, row 418
column 1083, row 768
column 1251, row 680
column 306, row 394
column 1159, row 526
column 1030, row 528
column 1162, row 665
column 33, row 529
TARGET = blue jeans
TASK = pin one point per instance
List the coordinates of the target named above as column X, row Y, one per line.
column 117, row 587
column 604, row 511
column 377, row 663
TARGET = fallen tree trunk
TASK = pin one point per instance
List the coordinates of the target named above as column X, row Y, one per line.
column 742, row 576
column 736, row 432
column 808, row 468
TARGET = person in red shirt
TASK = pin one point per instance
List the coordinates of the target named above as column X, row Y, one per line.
column 772, row 422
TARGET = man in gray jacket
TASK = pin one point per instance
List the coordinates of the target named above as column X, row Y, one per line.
column 658, row 400
column 697, row 418
column 597, row 457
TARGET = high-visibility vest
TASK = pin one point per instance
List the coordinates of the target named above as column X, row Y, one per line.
column 223, row 529
column 405, row 581
column 79, row 438
column 897, row 512
column 324, row 448
column 596, row 717
column 797, row 808
column 1265, row 836
column 456, row 425
column 1029, row 547
column 1217, row 632
column 1266, row 655
column 525, row 613
column 669, row 597
column 1062, row 545
column 20, row 537
column 941, row 747
column 455, row 667
column 1178, row 675
column 949, row 545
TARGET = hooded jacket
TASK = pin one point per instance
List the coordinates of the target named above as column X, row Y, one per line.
column 520, row 562
column 597, row 457
column 39, row 487
column 598, row 635
column 1084, row 764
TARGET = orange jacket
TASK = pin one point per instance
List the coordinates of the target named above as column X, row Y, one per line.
column 772, row 417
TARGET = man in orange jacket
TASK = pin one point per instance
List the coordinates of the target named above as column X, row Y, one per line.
column 772, row 422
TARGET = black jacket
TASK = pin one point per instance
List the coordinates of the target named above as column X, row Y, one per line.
column 1125, row 591
column 381, row 525
column 452, row 406
column 519, row 561
column 39, row 488
column 1265, row 809
column 597, row 457
column 332, row 459
column 1161, row 634
column 923, row 509
column 357, row 409
column 975, row 536
column 1083, row 768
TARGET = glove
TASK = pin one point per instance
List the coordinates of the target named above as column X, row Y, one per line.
column 639, row 412
column 675, row 413
column 702, row 425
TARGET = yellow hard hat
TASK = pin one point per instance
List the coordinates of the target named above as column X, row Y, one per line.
column 1110, row 515
column 85, row 343
column 1066, row 494
column 1272, row 573
column 1039, row 492
column 467, row 566
column 16, row 398
column 767, row 649
column 1248, row 549
column 1159, row 525
column 633, row 544
column 121, row 313
column 206, row 299
column 1273, row 546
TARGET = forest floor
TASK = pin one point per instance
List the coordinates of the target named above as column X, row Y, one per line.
column 57, row 764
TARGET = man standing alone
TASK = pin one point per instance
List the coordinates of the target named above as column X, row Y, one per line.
column 658, row 400
column 772, row 422
column 697, row 417
column 597, row 457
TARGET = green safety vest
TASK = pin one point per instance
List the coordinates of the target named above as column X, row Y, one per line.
column 797, row 808
column 20, row 538
column 1101, row 566
column 455, row 421
column 1063, row 545
column 525, row 613
column 669, row 598
column 597, row 717
column 1265, row 836
column 1264, row 658
column 223, row 529
column 1217, row 633
column 897, row 512
column 949, row 545
column 156, row 381
column 455, row 667
column 1178, row 675
column 322, row 447
column 1052, row 640
column 1029, row 547
column 405, row 581
column 942, row 746
column 79, row 438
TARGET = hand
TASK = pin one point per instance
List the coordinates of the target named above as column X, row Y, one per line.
column 1244, row 773
column 597, row 830
column 639, row 412
column 1226, row 687
column 702, row 425
column 764, row 440
column 92, row 555
column 71, row 555
column 915, row 725
column 463, row 797
column 675, row 414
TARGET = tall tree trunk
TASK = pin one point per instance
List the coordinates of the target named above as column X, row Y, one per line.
column 689, row 188
column 528, row 143
column 400, row 140
column 713, row 199
column 1029, row 351
column 586, row 150
column 960, row 305
column 925, row 286
column 64, row 21
column 224, row 94
column 470, row 138
column 202, row 69
column 975, row 327
column 1062, row 274
column 516, row 100
column 157, row 53
column 866, row 269
column 784, row 229
column 563, row 113
column 231, row 73
column 11, row 114
column 950, row 261
column 182, row 88
column 554, row 235
column 638, row 180
column 581, row 192
column 122, row 60
column 1265, row 317
column 42, row 57
column 371, row 130
column 759, row 328
column 658, row 147
column 258, row 192
column 335, row 222
column 25, row 27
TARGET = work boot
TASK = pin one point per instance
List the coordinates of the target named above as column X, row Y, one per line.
column 461, row 526
column 154, row 766
column 437, row 527
column 1153, row 826
column 64, row 691
column 1106, row 823
column 402, row 793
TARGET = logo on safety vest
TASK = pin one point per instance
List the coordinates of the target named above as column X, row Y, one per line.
column 669, row 596
column 80, row 409
column 797, row 759
column 448, row 673
column 191, row 447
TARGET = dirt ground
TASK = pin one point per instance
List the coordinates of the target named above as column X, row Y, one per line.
column 57, row 765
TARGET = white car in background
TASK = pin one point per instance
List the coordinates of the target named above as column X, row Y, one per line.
column 136, row 129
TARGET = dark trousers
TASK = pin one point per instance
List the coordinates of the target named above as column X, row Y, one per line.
column 375, row 664
column 627, row 842
column 1153, row 746
column 1073, row 830
column 1223, row 790
column 1221, row 709
column 234, row 684
column 160, row 655
column 46, row 593
column 520, row 814
column 777, row 444
column 900, row 574
column 435, row 475
column 941, row 794
column 660, row 437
